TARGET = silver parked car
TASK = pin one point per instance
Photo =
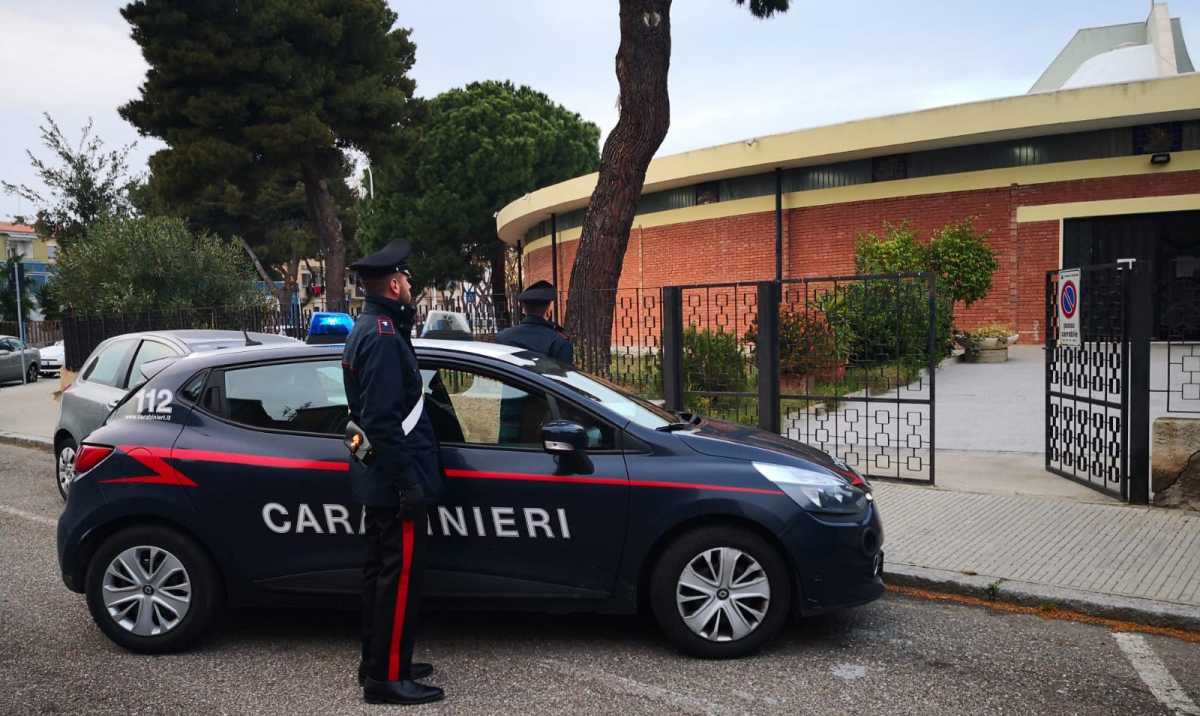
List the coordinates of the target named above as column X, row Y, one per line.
column 114, row 368
column 16, row 359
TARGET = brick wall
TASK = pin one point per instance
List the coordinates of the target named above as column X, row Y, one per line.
column 820, row 241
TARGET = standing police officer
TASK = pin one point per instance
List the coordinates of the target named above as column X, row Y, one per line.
column 396, row 477
column 535, row 332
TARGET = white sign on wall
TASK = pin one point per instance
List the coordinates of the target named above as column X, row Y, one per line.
column 1070, row 296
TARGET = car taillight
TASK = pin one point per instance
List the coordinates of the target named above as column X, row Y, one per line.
column 89, row 456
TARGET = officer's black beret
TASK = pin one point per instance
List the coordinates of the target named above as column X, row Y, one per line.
column 390, row 259
column 540, row 292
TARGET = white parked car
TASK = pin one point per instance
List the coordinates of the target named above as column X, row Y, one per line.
column 52, row 359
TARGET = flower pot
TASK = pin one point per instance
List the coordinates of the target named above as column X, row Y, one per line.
column 988, row 355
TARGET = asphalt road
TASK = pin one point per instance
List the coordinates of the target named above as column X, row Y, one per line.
column 899, row 655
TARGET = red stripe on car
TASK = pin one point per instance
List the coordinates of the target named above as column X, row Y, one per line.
column 532, row 477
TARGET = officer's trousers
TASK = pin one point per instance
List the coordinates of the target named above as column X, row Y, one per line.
column 392, row 577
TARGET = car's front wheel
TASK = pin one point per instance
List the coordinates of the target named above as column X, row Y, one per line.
column 64, row 465
column 152, row 590
column 720, row 592
column 31, row 374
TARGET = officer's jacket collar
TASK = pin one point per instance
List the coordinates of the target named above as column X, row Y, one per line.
column 401, row 313
column 539, row 321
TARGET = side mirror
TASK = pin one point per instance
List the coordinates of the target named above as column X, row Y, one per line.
column 563, row 437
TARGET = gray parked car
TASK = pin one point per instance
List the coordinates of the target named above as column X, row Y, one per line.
column 114, row 368
column 11, row 363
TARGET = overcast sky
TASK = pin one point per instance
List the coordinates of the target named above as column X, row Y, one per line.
column 732, row 77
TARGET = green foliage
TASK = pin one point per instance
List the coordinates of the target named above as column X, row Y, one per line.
column 256, row 103
column 992, row 330
column 476, row 149
column 962, row 260
column 86, row 183
column 153, row 264
column 807, row 345
column 887, row 321
column 47, row 299
column 714, row 361
column 8, row 291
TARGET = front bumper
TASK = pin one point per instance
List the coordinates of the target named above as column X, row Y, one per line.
column 838, row 564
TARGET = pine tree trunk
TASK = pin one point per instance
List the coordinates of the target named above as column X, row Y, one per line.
column 643, row 58
column 323, row 211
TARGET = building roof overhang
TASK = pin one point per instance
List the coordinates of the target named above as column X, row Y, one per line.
column 1032, row 115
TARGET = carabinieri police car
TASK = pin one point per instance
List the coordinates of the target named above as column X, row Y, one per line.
column 222, row 480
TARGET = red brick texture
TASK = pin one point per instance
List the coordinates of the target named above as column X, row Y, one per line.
column 820, row 241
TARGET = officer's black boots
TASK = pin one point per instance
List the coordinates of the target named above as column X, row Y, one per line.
column 400, row 692
column 419, row 671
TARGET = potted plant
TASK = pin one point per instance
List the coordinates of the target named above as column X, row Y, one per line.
column 989, row 344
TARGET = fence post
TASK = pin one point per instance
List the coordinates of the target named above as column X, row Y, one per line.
column 672, row 347
column 767, row 354
column 1141, row 318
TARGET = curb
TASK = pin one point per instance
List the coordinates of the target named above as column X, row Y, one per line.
column 27, row 441
column 1110, row 606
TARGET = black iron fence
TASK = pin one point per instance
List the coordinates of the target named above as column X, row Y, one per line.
column 843, row 363
column 635, row 353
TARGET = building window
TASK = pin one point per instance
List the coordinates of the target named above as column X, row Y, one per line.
column 708, row 193
column 1153, row 138
column 889, row 168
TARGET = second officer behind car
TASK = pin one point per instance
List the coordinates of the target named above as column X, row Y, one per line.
column 396, row 475
column 536, row 332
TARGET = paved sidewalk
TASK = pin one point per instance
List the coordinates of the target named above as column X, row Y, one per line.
column 28, row 413
column 1136, row 563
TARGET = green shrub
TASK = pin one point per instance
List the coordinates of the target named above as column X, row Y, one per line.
column 714, row 361
column 807, row 345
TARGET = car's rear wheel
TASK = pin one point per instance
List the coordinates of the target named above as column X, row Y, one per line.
column 31, row 373
column 152, row 590
column 64, row 465
column 720, row 592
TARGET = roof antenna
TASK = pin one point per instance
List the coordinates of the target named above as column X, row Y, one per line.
column 250, row 341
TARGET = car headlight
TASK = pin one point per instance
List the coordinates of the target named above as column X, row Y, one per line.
column 815, row 491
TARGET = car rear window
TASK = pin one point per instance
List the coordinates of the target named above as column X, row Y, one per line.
column 108, row 368
column 304, row 397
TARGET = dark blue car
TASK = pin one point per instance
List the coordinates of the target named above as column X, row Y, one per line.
column 223, row 481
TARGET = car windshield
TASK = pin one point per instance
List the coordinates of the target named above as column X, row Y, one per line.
column 640, row 412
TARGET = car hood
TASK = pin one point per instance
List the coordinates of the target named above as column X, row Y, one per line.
column 723, row 439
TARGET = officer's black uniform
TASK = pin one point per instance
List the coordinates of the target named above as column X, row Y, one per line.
column 536, row 333
column 400, row 480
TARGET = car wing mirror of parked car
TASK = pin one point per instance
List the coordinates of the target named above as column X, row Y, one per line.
column 563, row 437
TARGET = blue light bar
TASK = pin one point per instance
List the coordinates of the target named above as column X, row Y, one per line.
column 329, row 327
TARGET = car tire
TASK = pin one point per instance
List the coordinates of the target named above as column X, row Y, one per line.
column 64, row 465
column 672, row 595
column 31, row 374
column 169, row 623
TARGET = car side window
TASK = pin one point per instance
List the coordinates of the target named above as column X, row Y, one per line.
column 601, row 435
column 108, row 368
column 6, row 345
column 149, row 351
column 303, row 397
column 477, row 409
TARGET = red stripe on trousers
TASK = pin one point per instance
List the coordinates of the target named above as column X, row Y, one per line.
column 406, row 540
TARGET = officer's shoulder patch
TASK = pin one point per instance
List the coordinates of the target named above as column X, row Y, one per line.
column 384, row 326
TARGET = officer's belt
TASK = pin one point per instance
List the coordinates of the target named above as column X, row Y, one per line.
column 359, row 445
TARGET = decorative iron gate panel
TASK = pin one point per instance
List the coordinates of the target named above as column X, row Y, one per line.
column 1097, row 392
column 858, row 356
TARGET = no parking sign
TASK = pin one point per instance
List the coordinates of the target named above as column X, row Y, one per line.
column 1070, row 296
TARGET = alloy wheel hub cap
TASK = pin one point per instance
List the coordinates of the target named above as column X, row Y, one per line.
column 723, row 594
column 147, row 590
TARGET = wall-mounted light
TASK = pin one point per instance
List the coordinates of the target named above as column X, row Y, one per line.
column 1160, row 158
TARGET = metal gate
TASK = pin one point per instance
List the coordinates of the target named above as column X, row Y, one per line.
column 842, row 363
column 1097, row 408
